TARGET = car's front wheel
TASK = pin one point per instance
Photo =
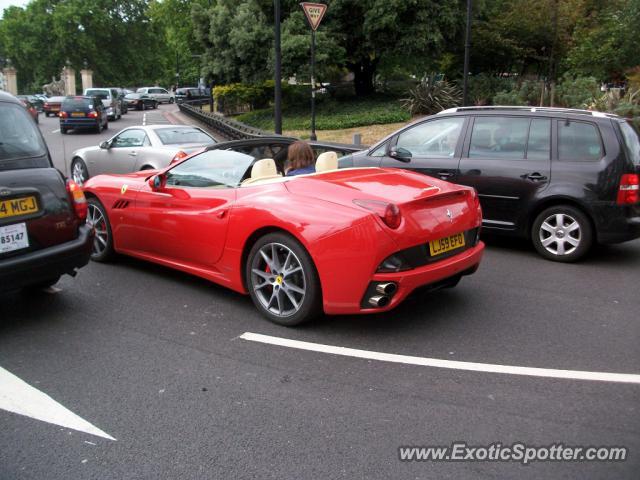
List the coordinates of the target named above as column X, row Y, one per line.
column 79, row 171
column 103, row 242
column 282, row 280
column 562, row 233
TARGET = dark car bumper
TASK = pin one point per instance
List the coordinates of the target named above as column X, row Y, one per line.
column 40, row 265
column 79, row 123
column 625, row 229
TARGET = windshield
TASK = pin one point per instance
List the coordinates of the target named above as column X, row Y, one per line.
column 101, row 94
column 179, row 136
column 631, row 142
column 212, row 169
column 19, row 137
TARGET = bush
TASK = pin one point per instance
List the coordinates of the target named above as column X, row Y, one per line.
column 238, row 97
column 332, row 114
column 577, row 92
column 511, row 97
column 432, row 96
column 484, row 87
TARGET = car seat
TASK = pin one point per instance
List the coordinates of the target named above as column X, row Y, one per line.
column 262, row 170
column 326, row 162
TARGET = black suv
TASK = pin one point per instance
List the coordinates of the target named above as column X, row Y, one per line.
column 564, row 178
column 43, row 234
column 82, row 112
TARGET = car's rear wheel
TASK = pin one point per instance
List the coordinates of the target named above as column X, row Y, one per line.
column 63, row 130
column 562, row 233
column 79, row 171
column 99, row 127
column 282, row 280
column 103, row 242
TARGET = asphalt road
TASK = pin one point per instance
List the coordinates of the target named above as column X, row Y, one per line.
column 153, row 358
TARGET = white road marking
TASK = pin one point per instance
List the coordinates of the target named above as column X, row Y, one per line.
column 55, row 131
column 451, row 364
column 144, row 119
column 19, row 397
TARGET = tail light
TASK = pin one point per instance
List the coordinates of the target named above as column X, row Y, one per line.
column 46, row 104
column 78, row 199
column 179, row 156
column 63, row 114
column 629, row 191
column 93, row 115
column 388, row 212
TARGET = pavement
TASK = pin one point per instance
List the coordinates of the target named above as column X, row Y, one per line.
column 159, row 362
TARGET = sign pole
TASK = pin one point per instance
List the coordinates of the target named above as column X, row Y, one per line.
column 313, row 86
column 314, row 13
column 277, row 104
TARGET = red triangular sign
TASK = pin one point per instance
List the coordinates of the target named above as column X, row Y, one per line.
column 314, row 13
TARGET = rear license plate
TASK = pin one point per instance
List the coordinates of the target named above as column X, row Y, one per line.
column 77, row 114
column 13, row 237
column 446, row 244
column 18, row 206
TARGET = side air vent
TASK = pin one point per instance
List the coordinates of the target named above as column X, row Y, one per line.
column 120, row 204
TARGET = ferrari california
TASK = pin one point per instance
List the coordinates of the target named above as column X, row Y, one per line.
column 344, row 241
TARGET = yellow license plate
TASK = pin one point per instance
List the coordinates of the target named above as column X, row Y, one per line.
column 77, row 114
column 446, row 244
column 18, row 206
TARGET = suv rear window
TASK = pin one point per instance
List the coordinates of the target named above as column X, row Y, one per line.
column 77, row 103
column 101, row 94
column 19, row 138
column 631, row 142
column 578, row 141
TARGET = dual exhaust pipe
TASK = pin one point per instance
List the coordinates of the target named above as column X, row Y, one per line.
column 385, row 291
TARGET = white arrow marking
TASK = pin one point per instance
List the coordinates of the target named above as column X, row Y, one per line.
column 19, row 397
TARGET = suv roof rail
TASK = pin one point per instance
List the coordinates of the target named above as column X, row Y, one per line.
column 529, row 109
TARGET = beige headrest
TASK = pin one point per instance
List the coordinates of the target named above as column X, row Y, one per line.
column 264, row 168
column 327, row 161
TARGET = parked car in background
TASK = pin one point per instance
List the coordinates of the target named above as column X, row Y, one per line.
column 33, row 111
column 34, row 100
column 564, row 178
column 43, row 234
column 339, row 242
column 138, row 148
column 52, row 106
column 78, row 113
column 159, row 94
column 110, row 100
column 124, row 107
column 140, row 101
column 187, row 94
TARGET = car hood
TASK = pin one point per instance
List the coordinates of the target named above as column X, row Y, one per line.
column 81, row 152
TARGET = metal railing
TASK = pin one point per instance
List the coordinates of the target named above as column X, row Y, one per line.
column 231, row 129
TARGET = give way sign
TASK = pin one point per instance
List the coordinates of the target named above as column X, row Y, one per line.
column 314, row 13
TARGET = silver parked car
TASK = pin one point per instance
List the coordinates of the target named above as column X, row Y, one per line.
column 158, row 94
column 110, row 100
column 138, row 148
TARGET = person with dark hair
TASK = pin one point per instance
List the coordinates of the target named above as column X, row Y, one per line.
column 301, row 159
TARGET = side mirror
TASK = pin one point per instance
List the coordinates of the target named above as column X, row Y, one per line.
column 401, row 154
column 105, row 145
column 157, row 182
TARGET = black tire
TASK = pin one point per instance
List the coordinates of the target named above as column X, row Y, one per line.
column 171, row 100
column 106, row 125
column 278, row 285
column 155, row 105
column 63, row 130
column 562, row 233
column 78, row 170
column 146, row 167
column 99, row 127
column 46, row 114
column 103, row 243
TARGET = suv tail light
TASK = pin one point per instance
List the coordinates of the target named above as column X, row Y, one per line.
column 63, row 114
column 388, row 212
column 629, row 191
column 179, row 156
column 78, row 199
column 92, row 114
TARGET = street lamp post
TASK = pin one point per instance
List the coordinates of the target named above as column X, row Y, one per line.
column 277, row 103
column 467, row 51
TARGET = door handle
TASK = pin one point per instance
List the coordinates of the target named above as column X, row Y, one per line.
column 444, row 174
column 536, row 176
column 133, row 154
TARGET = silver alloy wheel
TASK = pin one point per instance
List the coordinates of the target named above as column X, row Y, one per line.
column 277, row 278
column 560, row 234
column 96, row 219
column 78, row 173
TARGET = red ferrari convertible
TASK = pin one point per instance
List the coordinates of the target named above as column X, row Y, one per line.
column 340, row 241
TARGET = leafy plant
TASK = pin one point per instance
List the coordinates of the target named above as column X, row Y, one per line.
column 511, row 97
column 577, row 92
column 432, row 96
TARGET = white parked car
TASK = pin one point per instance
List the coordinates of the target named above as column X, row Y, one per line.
column 110, row 100
column 159, row 94
column 138, row 148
